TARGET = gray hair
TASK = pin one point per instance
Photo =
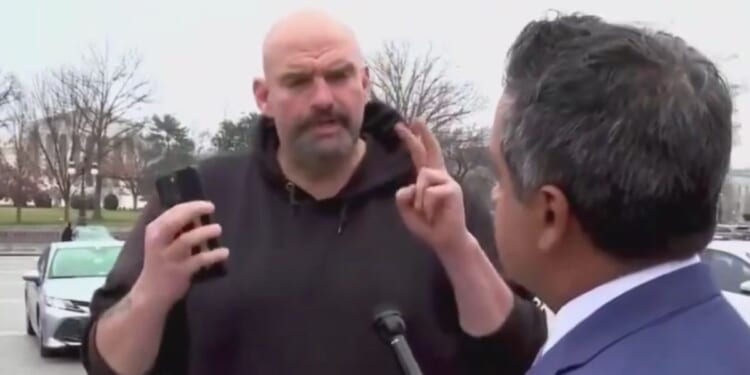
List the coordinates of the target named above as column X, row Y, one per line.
column 634, row 127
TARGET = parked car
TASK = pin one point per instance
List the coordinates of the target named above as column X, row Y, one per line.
column 730, row 265
column 723, row 232
column 726, row 232
column 742, row 232
column 58, row 292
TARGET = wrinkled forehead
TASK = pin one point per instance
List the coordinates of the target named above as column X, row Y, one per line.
column 310, row 52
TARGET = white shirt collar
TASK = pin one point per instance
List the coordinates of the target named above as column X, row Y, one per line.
column 578, row 309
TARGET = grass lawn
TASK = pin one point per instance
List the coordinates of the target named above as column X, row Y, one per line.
column 54, row 216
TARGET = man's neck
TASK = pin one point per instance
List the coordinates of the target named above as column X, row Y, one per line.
column 600, row 270
column 328, row 185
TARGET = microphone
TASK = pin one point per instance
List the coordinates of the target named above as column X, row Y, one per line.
column 390, row 327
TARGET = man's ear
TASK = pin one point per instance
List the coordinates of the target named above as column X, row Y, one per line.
column 554, row 212
column 366, row 85
column 260, row 91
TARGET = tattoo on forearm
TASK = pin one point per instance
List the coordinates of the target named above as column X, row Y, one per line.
column 118, row 308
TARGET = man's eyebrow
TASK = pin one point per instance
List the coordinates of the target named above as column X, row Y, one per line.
column 301, row 72
column 294, row 73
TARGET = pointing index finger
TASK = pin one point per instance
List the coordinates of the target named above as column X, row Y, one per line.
column 433, row 151
column 413, row 144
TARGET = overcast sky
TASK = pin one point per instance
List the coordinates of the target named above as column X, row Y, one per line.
column 202, row 55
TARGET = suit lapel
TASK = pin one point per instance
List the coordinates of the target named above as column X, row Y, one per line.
column 627, row 314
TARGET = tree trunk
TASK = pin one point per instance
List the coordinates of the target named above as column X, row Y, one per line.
column 133, row 187
column 97, row 198
column 18, row 213
column 98, row 180
column 66, row 212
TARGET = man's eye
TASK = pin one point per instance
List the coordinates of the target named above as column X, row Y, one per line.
column 337, row 76
column 297, row 81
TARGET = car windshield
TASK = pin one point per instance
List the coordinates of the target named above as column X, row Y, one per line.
column 83, row 261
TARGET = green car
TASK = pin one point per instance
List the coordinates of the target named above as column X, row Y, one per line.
column 92, row 233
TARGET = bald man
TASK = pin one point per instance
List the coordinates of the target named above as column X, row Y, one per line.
column 338, row 209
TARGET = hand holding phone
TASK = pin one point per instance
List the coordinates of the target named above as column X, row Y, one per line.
column 181, row 186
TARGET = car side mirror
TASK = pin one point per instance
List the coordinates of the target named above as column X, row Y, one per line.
column 745, row 287
column 31, row 276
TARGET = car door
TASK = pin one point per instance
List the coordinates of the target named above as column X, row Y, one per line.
column 32, row 290
column 728, row 270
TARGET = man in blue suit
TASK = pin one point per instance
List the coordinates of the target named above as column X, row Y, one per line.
column 611, row 144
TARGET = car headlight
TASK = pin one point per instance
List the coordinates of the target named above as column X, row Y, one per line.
column 62, row 304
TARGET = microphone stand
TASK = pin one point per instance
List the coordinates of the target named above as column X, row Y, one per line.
column 391, row 327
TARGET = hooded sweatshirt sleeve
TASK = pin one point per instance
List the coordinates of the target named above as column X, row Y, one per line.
column 119, row 282
column 511, row 349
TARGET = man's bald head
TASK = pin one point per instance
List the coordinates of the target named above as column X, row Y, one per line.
column 307, row 30
column 315, row 88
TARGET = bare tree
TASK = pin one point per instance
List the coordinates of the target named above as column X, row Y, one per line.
column 8, row 88
column 105, row 91
column 128, row 164
column 204, row 147
column 19, row 164
column 57, row 133
column 418, row 86
column 465, row 150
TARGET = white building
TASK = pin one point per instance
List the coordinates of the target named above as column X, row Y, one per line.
column 60, row 147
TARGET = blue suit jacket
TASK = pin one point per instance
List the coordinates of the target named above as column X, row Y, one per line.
column 677, row 324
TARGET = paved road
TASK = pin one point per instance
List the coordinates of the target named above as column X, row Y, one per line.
column 19, row 353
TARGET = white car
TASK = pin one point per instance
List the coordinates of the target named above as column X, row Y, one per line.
column 58, row 292
column 730, row 265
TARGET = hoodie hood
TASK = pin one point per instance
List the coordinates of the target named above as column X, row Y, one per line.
column 386, row 164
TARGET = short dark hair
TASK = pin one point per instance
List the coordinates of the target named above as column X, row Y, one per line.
column 633, row 125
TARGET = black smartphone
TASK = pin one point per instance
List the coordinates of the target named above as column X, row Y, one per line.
column 181, row 186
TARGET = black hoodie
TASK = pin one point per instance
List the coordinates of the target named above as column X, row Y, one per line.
column 305, row 276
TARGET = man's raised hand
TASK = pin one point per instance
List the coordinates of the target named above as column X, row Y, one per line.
column 432, row 208
column 168, row 263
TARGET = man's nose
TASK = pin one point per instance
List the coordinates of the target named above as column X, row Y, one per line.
column 322, row 96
